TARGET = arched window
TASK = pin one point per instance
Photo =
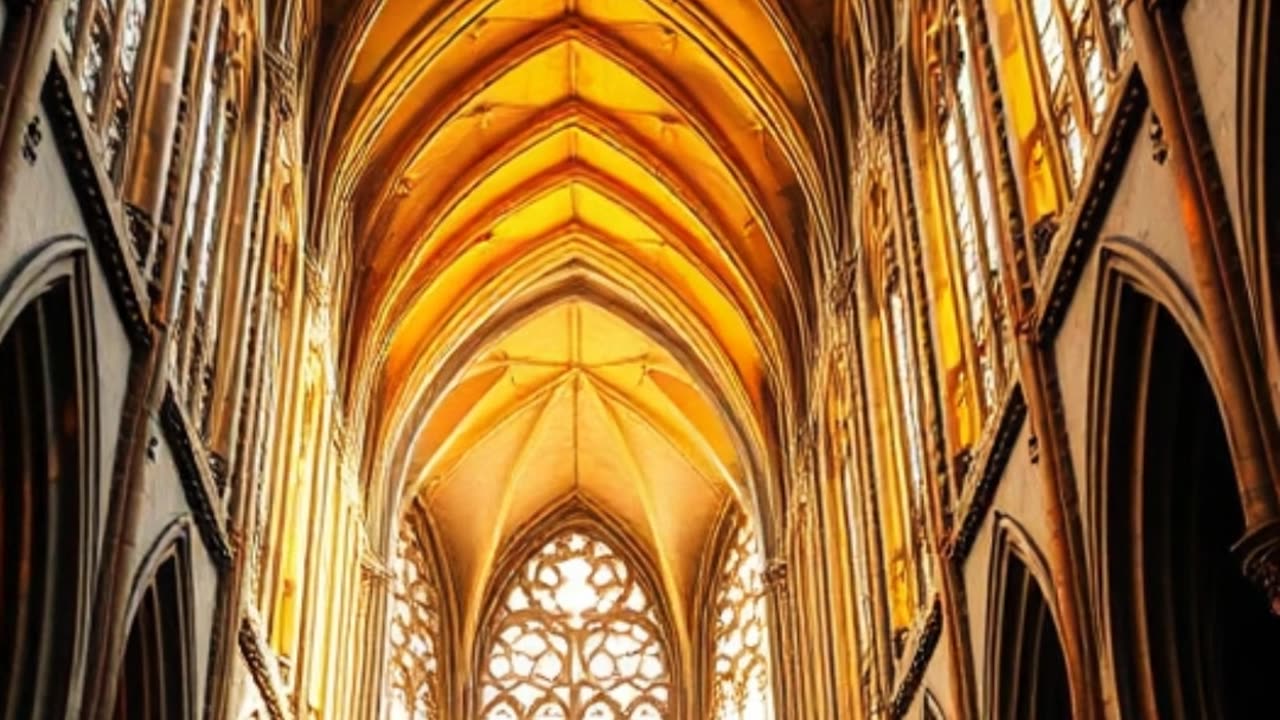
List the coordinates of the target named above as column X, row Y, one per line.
column 155, row 676
column 414, row 663
column 107, row 39
column 1079, row 43
column 894, row 387
column 201, row 241
column 47, row 496
column 742, row 689
column 972, row 228
column 1058, row 62
column 576, row 636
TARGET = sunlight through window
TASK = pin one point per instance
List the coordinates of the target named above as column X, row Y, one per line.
column 576, row 637
column 742, row 690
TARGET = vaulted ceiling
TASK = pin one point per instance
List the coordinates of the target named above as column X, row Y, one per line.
column 581, row 235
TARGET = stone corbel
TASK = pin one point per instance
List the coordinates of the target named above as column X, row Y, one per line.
column 883, row 87
column 1259, row 553
column 282, row 84
column 775, row 576
column 842, row 285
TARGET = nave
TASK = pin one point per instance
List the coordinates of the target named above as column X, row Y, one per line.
column 644, row 359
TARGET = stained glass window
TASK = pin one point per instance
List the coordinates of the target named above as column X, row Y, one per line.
column 577, row 637
column 975, row 230
column 197, row 319
column 1079, row 42
column 414, row 665
column 112, row 44
column 741, row 689
column 909, row 559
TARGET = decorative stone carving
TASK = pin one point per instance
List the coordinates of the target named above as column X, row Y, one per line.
column 882, row 87
column 282, row 83
column 775, row 575
column 1260, row 558
column 31, row 138
column 1159, row 145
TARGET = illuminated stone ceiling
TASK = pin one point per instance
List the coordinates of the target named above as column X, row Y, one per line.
column 582, row 250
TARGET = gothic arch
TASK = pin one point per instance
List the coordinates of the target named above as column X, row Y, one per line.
column 577, row 515
column 1163, row 512
column 703, row 624
column 49, row 426
column 417, row 520
column 687, row 342
column 1026, row 669
column 158, row 673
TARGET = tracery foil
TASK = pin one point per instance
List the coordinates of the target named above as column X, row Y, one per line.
column 576, row 638
column 741, row 690
column 415, row 629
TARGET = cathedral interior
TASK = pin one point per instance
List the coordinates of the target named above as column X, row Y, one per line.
column 643, row 359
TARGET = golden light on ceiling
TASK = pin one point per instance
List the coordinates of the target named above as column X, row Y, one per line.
column 584, row 226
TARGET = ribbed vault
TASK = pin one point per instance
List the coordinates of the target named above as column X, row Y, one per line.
column 581, row 240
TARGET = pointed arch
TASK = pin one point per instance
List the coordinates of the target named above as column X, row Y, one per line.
column 1026, row 668
column 49, row 462
column 578, row 621
column 158, row 674
column 1164, row 514
column 422, row 635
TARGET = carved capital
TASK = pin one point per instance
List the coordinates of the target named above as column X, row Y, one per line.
column 1259, row 553
column 282, row 83
column 775, row 575
column 882, row 84
column 842, row 283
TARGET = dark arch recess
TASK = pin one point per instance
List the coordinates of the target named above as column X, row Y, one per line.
column 155, row 677
column 48, row 459
column 1027, row 670
column 1190, row 635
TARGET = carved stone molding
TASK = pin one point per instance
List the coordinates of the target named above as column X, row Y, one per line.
column 282, row 82
column 926, row 643
column 263, row 666
column 99, row 212
column 990, row 468
column 882, row 87
column 1066, row 260
column 1259, row 552
column 775, row 576
column 195, row 474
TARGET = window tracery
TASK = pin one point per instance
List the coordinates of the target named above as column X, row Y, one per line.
column 895, row 384
column 741, row 689
column 1078, row 43
column 974, row 231
column 414, row 663
column 201, row 237
column 577, row 636
column 106, row 39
